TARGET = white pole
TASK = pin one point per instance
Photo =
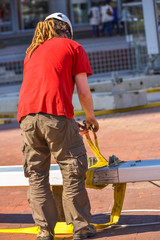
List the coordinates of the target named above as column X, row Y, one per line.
column 151, row 26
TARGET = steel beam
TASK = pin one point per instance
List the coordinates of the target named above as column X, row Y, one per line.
column 130, row 171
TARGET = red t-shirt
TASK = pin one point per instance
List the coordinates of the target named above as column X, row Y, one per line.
column 48, row 82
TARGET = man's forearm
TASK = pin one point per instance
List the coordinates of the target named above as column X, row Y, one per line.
column 86, row 102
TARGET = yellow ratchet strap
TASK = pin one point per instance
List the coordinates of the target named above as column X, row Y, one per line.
column 102, row 162
column 119, row 188
column 119, row 193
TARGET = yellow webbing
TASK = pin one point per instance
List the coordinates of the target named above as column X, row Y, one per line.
column 119, row 188
column 102, row 162
column 119, row 193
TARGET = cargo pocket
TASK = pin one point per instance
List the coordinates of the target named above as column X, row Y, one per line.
column 28, row 132
column 26, row 126
column 27, row 141
column 56, row 124
column 22, row 144
column 25, row 165
column 78, row 164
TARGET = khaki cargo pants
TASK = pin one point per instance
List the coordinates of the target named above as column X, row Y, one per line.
column 43, row 134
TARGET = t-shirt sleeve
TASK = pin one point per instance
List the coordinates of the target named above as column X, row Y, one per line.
column 81, row 62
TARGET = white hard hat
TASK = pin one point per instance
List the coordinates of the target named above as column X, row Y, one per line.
column 61, row 17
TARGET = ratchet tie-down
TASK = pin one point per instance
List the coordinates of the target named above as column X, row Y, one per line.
column 119, row 191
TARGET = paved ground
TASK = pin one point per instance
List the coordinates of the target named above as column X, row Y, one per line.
column 129, row 136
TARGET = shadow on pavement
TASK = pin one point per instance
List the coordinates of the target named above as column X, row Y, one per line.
column 127, row 220
column 8, row 126
column 100, row 218
column 16, row 218
column 127, row 231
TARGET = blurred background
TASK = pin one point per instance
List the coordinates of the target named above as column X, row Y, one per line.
column 123, row 52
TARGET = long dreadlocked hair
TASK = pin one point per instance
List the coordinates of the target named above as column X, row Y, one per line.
column 46, row 30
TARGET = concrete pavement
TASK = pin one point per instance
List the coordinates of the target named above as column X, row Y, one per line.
column 130, row 136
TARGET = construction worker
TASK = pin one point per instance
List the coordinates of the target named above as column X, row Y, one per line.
column 53, row 65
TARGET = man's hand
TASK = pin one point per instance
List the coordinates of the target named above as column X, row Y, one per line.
column 88, row 125
column 93, row 123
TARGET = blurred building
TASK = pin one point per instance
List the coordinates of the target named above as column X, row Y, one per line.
column 126, row 53
column 18, row 18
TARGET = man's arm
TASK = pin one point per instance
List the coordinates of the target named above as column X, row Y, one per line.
column 85, row 99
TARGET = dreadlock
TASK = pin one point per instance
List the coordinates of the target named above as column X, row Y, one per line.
column 46, row 30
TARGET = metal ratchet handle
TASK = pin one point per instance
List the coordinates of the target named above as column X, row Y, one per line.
column 90, row 127
column 82, row 127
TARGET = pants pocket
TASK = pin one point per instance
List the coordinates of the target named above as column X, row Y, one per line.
column 78, row 164
column 27, row 140
column 25, row 165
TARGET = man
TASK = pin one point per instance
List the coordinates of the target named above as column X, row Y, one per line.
column 126, row 19
column 94, row 19
column 106, row 18
column 53, row 65
column 115, row 24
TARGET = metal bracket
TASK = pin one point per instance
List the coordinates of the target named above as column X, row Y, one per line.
column 113, row 161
